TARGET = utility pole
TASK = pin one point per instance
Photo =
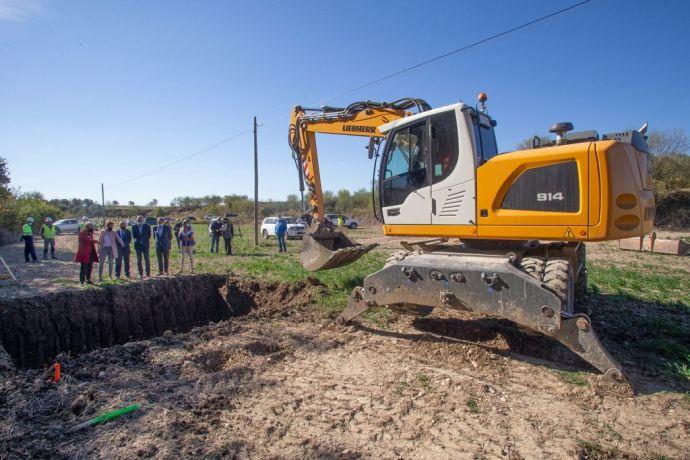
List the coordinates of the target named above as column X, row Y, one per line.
column 256, row 189
column 103, row 202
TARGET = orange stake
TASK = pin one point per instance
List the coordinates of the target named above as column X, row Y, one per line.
column 56, row 372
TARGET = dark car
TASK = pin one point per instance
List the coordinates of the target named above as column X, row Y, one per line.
column 151, row 221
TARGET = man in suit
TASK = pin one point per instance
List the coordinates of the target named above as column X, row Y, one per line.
column 141, row 233
column 123, row 251
column 162, row 233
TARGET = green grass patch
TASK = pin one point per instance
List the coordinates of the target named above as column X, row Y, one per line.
column 423, row 381
column 670, row 289
column 680, row 369
column 472, row 405
column 594, row 451
column 66, row 281
column 573, row 378
column 264, row 262
column 380, row 317
column 613, row 434
column 651, row 302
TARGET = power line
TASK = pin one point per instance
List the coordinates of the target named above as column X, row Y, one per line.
column 463, row 48
column 371, row 83
column 179, row 160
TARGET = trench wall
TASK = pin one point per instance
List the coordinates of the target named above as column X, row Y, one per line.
column 34, row 330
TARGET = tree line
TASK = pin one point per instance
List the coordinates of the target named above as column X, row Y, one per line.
column 342, row 201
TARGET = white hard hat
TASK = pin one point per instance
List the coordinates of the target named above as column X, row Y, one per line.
column 30, row 219
column 48, row 219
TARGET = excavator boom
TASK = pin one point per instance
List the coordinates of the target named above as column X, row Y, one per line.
column 325, row 247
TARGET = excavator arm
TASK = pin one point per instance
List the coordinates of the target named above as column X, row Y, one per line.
column 325, row 247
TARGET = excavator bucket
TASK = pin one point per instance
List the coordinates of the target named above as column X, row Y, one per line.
column 324, row 247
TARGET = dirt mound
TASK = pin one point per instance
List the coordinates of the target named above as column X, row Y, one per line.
column 275, row 299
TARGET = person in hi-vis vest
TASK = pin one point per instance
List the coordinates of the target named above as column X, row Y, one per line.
column 48, row 235
column 28, row 237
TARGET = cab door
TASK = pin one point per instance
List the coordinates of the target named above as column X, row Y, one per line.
column 452, row 170
column 405, row 190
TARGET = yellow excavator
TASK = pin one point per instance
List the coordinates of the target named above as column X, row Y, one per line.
column 506, row 230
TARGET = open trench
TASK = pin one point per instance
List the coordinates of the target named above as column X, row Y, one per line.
column 36, row 329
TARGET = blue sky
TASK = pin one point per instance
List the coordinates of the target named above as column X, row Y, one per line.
column 95, row 92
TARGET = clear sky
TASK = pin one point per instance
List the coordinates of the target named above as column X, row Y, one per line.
column 102, row 91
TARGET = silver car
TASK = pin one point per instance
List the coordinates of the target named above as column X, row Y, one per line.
column 66, row 226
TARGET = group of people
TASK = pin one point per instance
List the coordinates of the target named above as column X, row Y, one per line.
column 48, row 232
column 114, row 246
column 221, row 228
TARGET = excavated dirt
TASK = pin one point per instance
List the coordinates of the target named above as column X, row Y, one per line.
column 275, row 380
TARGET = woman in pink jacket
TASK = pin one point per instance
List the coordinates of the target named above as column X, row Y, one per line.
column 86, row 254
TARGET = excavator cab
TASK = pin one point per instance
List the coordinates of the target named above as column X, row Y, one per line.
column 426, row 176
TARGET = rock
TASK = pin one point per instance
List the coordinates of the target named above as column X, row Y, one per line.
column 167, row 334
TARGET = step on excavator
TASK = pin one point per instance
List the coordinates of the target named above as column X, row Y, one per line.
column 506, row 231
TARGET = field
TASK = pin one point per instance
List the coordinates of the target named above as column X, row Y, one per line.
column 281, row 380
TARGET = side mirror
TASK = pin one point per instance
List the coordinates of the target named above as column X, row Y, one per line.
column 371, row 148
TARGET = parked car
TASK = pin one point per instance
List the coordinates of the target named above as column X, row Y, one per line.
column 295, row 229
column 347, row 221
column 66, row 226
column 209, row 217
column 151, row 221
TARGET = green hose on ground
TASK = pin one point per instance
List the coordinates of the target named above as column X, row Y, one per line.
column 106, row 417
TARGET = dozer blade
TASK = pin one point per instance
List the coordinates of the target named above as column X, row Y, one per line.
column 325, row 247
column 484, row 284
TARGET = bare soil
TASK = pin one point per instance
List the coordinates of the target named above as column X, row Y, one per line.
column 280, row 382
column 37, row 278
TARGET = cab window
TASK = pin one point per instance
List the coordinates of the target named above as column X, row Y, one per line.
column 404, row 169
column 444, row 145
column 485, row 138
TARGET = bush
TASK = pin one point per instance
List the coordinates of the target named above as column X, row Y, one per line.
column 673, row 210
column 671, row 172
